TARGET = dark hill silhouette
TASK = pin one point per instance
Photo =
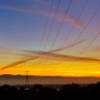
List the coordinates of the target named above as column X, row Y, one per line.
column 39, row 92
column 19, row 79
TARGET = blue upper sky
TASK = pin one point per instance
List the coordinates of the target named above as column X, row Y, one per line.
column 21, row 28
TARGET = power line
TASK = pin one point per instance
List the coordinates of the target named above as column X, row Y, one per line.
column 93, row 40
column 86, row 26
column 80, row 15
column 82, row 11
column 90, row 20
column 47, row 22
column 91, row 43
column 52, row 24
column 61, row 24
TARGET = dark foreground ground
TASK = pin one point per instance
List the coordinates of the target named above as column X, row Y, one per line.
column 39, row 92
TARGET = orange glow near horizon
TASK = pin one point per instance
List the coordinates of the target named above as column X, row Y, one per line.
column 69, row 69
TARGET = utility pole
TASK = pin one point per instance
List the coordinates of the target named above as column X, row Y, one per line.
column 27, row 78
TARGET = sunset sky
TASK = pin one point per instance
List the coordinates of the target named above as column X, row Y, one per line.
column 50, row 37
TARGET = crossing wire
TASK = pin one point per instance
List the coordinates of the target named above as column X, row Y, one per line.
column 98, row 34
column 79, row 17
column 61, row 25
column 90, row 20
column 42, row 39
column 52, row 24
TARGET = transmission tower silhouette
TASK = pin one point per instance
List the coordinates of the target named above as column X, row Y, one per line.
column 27, row 82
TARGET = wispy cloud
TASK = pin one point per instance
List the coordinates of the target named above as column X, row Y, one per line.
column 17, row 63
column 18, row 9
column 60, row 57
column 52, row 56
column 59, row 16
column 64, row 17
